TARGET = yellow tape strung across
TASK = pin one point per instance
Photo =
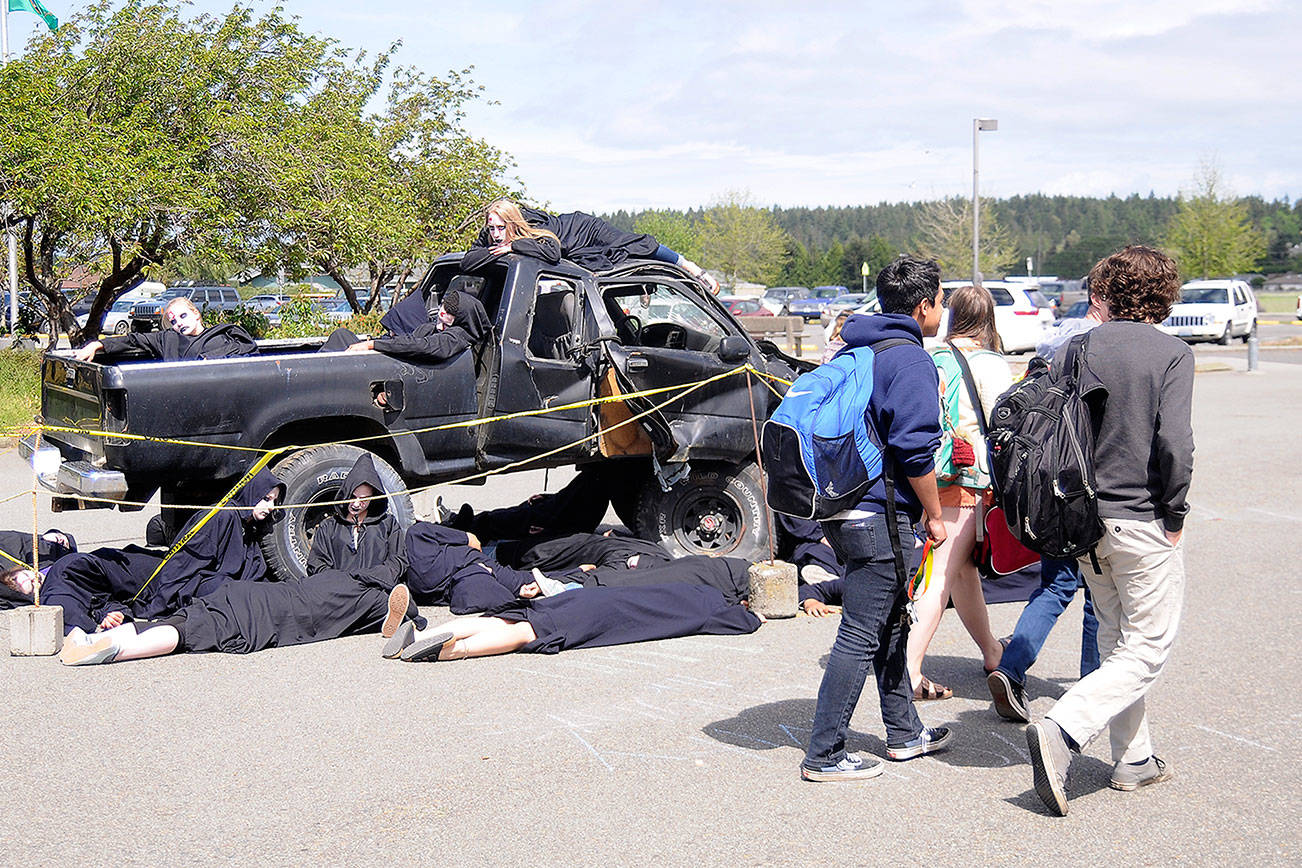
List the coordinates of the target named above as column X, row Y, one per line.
column 15, row 560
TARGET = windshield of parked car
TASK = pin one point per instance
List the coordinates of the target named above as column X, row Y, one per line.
column 1205, row 295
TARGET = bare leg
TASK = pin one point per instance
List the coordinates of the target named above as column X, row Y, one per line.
column 122, row 643
column 970, row 603
column 930, row 607
column 154, row 642
column 481, row 637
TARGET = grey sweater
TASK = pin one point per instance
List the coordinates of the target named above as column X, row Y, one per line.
column 1143, row 447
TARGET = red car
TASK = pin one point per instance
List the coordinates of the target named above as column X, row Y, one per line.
column 740, row 305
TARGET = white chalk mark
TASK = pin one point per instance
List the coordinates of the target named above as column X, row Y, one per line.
column 719, row 745
column 687, row 679
column 599, row 757
column 652, row 707
column 896, row 775
column 548, row 674
column 1236, row 738
column 624, row 659
column 646, row 755
column 678, row 657
column 698, row 643
column 787, row 730
column 1020, row 752
column 1278, row 515
column 749, row 736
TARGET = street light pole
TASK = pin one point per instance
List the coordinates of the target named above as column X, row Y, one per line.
column 10, row 238
column 978, row 124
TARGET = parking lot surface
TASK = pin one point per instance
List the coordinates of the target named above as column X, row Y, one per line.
column 676, row 752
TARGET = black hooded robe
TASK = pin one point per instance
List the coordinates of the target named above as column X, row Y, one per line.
column 217, row 342
column 728, row 576
column 585, row 240
column 443, row 569
column 18, row 545
column 596, row 617
column 372, row 552
column 565, row 553
column 415, row 333
column 89, row 585
column 577, row 508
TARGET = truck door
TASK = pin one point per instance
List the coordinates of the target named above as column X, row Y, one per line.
column 541, row 367
column 666, row 334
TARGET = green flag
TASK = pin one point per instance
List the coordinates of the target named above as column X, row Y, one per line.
column 34, row 7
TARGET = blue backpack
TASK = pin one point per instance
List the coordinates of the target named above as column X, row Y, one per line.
column 820, row 454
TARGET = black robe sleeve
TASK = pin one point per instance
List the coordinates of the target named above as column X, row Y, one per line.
column 426, row 344
column 828, row 592
column 149, row 342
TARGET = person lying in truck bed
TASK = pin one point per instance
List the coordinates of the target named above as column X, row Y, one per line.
column 185, row 337
column 456, row 324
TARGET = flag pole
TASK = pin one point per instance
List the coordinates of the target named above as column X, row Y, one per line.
column 9, row 230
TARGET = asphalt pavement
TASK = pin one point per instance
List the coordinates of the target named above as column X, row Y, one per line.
column 677, row 752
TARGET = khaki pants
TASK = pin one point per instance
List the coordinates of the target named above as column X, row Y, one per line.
column 1138, row 600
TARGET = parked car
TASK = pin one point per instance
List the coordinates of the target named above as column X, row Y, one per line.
column 1213, row 310
column 742, row 305
column 146, row 315
column 777, row 298
column 846, row 303
column 811, row 306
column 1022, row 313
column 1077, row 310
column 266, row 303
column 117, row 319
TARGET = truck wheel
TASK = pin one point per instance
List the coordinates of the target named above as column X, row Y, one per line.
column 717, row 510
column 313, row 476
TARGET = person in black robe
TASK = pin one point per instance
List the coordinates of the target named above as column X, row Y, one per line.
column 458, row 323
column 446, row 567
column 729, row 576
column 185, row 338
column 16, row 546
column 100, row 589
column 576, row 508
column 586, row 240
column 587, row 618
column 574, row 551
column 360, row 537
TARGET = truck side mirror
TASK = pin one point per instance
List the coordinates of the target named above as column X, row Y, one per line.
column 734, row 348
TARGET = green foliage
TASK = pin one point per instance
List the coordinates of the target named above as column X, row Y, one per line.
column 20, row 387
column 945, row 234
column 1211, row 236
column 742, row 241
column 673, row 229
column 300, row 318
column 254, row 322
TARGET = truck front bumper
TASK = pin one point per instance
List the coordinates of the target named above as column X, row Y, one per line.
column 71, row 478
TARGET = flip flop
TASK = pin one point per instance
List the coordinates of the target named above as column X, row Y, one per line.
column 928, row 690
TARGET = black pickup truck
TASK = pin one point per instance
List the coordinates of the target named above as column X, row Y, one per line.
column 685, row 474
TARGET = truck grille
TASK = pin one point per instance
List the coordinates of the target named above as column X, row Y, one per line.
column 1179, row 321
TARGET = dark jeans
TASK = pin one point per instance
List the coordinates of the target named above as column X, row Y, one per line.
column 1058, row 583
column 873, row 634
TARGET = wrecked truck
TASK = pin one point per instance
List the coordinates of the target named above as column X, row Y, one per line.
column 684, row 474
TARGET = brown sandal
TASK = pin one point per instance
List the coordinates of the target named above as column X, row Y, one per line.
column 929, row 690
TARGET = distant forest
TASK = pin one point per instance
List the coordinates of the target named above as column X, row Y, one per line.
column 1065, row 235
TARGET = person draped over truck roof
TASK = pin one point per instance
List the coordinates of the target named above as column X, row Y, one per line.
column 101, row 589
column 357, row 558
column 583, row 239
column 185, row 337
column 456, row 322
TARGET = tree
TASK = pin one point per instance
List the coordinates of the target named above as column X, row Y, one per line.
column 673, row 229
column 133, row 136
column 1210, row 235
column 385, row 192
column 945, row 234
column 742, row 241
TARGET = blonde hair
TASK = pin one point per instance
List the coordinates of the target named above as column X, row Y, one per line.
column 182, row 301
column 836, row 328
column 516, row 225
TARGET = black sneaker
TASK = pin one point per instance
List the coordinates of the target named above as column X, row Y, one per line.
column 928, row 741
column 428, row 648
column 1009, row 697
column 398, row 642
column 852, row 767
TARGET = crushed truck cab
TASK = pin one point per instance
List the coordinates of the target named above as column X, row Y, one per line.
column 682, row 471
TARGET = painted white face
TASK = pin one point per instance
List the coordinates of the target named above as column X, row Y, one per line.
column 263, row 507
column 180, row 318
column 496, row 228
column 445, row 319
column 361, row 501
column 25, row 580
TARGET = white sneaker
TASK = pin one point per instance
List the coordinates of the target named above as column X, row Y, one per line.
column 103, row 650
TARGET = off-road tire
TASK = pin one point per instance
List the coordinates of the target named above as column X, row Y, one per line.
column 311, row 476
column 679, row 519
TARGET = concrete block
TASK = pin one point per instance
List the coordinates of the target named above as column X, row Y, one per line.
column 35, row 631
column 773, row 589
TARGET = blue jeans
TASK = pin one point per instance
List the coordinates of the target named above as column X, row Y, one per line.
column 1058, row 583
column 873, row 634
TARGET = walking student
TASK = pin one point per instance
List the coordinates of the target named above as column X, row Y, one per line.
column 904, row 411
column 1143, row 462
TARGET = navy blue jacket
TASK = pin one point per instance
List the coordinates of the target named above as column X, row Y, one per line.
column 905, row 406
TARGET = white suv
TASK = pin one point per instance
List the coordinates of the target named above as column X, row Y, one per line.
column 1022, row 313
column 1213, row 310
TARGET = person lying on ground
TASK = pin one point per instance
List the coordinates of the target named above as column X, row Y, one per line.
column 586, row 618
column 457, row 323
column 577, row 508
column 446, row 566
column 360, row 537
column 101, row 589
column 184, row 337
column 581, row 238
column 728, row 576
column 242, row 617
column 50, row 545
column 574, row 551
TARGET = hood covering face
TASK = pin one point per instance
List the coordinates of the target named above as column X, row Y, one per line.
column 418, row 310
column 469, row 314
column 363, row 472
column 255, row 489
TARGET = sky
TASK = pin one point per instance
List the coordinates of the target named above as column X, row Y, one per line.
column 613, row 105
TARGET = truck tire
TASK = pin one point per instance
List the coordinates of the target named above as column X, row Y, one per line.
column 312, row 476
column 717, row 510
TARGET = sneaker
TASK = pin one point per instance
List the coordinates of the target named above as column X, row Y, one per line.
column 928, row 741
column 102, row 650
column 402, row 637
column 1009, row 697
column 441, row 512
column 399, row 601
column 1128, row 777
column 77, row 636
column 427, row 648
column 1050, row 757
column 852, row 767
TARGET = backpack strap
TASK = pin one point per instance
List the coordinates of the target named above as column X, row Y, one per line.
column 970, row 382
column 888, row 481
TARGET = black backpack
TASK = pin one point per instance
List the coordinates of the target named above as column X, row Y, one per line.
column 1041, row 446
